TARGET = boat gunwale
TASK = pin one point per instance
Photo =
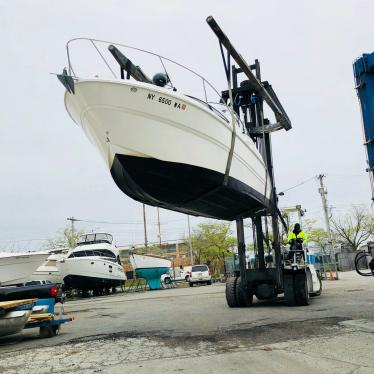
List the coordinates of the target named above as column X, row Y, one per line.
column 189, row 100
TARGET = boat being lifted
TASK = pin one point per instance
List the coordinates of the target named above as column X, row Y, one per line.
column 164, row 146
column 207, row 157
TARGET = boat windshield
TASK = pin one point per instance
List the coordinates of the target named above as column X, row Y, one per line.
column 95, row 238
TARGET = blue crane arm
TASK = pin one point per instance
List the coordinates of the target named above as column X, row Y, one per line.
column 363, row 69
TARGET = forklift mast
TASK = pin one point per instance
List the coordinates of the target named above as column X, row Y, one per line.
column 248, row 99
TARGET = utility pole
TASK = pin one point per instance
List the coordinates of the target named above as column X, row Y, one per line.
column 159, row 226
column 189, row 239
column 145, row 228
column 323, row 192
column 72, row 219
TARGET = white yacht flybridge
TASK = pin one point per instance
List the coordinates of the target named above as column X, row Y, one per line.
column 93, row 265
column 171, row 141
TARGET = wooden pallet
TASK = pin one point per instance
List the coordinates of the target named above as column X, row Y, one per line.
column 14, row 303
column 40, row 317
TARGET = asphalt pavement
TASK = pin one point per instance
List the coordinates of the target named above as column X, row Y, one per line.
column 192, row 329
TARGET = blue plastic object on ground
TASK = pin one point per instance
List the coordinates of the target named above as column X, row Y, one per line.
column 363, row 69
column 152, row 275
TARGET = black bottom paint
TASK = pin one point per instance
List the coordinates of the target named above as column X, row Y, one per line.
column 185, row 188
column 81, row 282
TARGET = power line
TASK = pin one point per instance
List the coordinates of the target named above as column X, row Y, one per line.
column 110, row 223
column 124, row 223
column 300, row 184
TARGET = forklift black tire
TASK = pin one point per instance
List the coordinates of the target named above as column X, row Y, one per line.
column 243, row 298
column 56, row 329
column 231, row 292
column 49, row 331
column 318, row 293
column 301, row 289
column 289, row 290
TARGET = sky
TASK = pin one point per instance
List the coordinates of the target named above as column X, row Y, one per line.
column 50, row 171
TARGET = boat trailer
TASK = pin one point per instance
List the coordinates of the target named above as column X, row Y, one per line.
column 16, row 315
column 271, row 276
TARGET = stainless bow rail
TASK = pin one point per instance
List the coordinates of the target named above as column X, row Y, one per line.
column 101, row 49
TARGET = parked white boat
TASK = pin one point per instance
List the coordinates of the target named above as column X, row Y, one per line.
column 150, row 267
column 93, row 265
column 16, row 268
column 49, row 270
column 169, row 149
column 148, row 262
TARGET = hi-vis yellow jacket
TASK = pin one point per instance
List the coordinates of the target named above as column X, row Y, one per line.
column 300, row 235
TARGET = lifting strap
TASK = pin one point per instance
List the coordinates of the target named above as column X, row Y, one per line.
column 233, row 133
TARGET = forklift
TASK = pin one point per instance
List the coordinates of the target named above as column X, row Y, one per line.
column 271, row 275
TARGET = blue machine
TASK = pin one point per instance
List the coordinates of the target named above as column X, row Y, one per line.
column 363, row 69
column 49, row 327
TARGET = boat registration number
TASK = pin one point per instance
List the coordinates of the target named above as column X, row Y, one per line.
column 163, row 100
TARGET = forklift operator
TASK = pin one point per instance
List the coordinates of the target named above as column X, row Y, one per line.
column 295, row 238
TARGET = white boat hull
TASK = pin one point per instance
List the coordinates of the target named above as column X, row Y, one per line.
column 50, row 273
column 89, row 273
column 148, row 262
column 168, row 150
column 13, row 322
column 49, row 270
column 17, row 269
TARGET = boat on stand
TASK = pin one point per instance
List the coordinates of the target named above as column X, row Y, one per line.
column 170, row 145
column 93, row 265
column 150, row 267
column 48, row 270
column 17, row 267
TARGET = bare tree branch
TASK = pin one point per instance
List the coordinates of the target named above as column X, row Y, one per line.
column 355, row 228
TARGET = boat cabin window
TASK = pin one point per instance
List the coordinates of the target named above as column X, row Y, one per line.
column 103, row 253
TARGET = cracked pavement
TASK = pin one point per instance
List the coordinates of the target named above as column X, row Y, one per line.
column 186, row 329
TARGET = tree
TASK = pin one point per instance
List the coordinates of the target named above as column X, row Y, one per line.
column 66, row 238
column 211, row 242
column 355, row 228
column 319, row 236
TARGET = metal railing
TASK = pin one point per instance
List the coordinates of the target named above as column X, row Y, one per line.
column 217, row 105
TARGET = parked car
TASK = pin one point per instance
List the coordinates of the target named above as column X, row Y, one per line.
column 200, row 274
column 36, row 291
column 176, row 275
